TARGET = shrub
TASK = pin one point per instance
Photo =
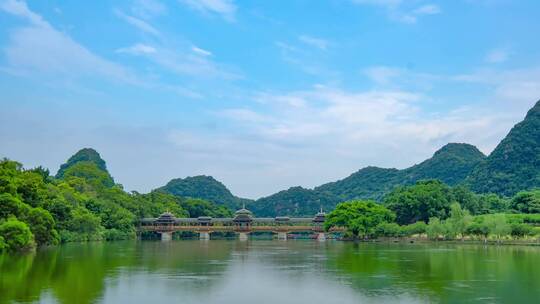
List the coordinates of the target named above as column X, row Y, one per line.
column 16, row 235
column 416, row 228
column 388, row 230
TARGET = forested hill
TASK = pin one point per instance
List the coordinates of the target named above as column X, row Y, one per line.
column 451, row 164
column 204, row 187
column 295, row 201
column 514, row 165
column 87, row 164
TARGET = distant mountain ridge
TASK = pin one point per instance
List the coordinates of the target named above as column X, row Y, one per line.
column 204, row 187
column 513, row 166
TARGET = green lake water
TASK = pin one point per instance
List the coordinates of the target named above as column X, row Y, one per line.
column 259, row 271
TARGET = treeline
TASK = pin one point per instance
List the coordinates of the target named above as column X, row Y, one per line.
column 82, row 203
column 433, row 209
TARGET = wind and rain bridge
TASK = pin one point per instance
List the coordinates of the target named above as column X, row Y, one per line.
column 242, row 224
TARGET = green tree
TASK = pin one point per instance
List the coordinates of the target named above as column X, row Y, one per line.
column 42, row 226
column 435, row 228
column 458, row 221
column 12, row 206
column 420, row 202
column 359, row 217
column 16, row 235
column 388, row 230
column 526, row 202
column 492, row 203
column 416, row 228
column 498, row 225
column 86, row 224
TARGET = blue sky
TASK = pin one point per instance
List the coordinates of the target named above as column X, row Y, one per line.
column 263, row 95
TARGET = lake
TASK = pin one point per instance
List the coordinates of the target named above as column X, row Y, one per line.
column 266, row 271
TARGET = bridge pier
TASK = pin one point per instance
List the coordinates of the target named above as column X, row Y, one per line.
column 282, row 235
column 204, row 235
column 166, row 236
column 243, row 236
column 321, row 237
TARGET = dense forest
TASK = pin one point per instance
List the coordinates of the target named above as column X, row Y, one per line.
column 82, row 203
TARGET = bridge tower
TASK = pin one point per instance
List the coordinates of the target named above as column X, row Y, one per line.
column 165, row 222
column 318, row 225
column 243, row 219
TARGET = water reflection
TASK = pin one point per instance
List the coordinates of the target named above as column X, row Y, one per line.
column 271, row 271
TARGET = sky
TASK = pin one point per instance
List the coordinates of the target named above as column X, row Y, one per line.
column 262, row 95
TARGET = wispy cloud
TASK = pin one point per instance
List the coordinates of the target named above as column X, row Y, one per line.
column 497, row 56
column 313, row 41
column 398, row 10
column 58, row 53
column 201, row 51
column 138, row 23
column 148, row 8
column 137, row 49
column 224, row 8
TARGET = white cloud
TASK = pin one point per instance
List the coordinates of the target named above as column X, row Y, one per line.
column 382, row 74
column 137, row 49
column 225, row 8
column 398, row 10
column 148, row 8
column 201, row 51
column 138, row 23
column 316, row 42
column 384, row 3
column 429, row 9
column 496, row 56
column 58, row 53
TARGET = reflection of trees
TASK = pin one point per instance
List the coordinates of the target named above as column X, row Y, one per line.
column 76, row 273
column 447, row 273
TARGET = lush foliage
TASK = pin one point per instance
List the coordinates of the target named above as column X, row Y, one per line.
column 361, row 218
column 420, row 202
column 514, row 164
column 432, row 198
column 15, row 235
column 82, row 204
column 526, row 202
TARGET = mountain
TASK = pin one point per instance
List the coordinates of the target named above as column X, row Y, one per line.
column 87, row 164
column 204, row 187
column 514, row 165
column 295, row 201
column 451, row 164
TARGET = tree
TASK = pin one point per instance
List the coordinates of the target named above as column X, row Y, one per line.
column 12, row 206
column 420, row 202
column 492, row 203
column 497, row 225
column 479, row 229
column 84, row 222
column 42, row 225
column 388, row 229
column 458, row 221
column 416, row 228
column 359, row 217
column 16, row 235
column 435, row 228
column 526, row 202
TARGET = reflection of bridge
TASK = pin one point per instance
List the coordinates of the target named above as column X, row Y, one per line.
column 242, row 223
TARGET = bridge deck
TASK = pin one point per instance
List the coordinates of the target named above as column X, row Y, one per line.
column 198, row 228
